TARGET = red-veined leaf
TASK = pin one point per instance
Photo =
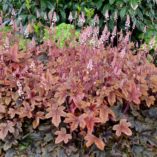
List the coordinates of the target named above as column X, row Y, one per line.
column 90, row 121
column 39, row 115
column 62, row 136
column 56, row 112
column 123, row 127
column 91, row 139
column 75, row 121
column 5, row 128
column 105, row 113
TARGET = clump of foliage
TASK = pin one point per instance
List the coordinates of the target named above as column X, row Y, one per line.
column 62, row 34
column 142, row 12
column 75, row 87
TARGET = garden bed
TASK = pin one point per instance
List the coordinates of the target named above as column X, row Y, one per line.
column 84, row 94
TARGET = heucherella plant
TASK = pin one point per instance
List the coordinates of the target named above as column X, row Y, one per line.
column 76, row 86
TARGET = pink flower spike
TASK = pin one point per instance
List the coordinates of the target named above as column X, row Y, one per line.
column 116, row 16
column 106, row 15
column 1, row 20
column 114, row 33
column 81, row 20
column 145, row 29
column 86, row 33
column 96, row 19
column 50, row 15
column 122, row 53
column 54, row 19
column 70, row 18
column 127, row 24
column 90, row 65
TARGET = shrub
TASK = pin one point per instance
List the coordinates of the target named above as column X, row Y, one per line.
column 75, row 87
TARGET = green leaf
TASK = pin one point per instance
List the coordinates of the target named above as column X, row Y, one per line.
column 99, row 4
column 105, row 8
column 43, row 4
column 134, row 4
column 89, row 12
column 50, row 6
column 140, row 25
column 123, row 12
column 119, row 3
column 5, row 7
column 111, row 1
column 63, row 15
column 139, row 13
column 28, row 4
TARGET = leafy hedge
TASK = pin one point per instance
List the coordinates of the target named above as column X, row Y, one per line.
column 141, row 12
column 75, row 87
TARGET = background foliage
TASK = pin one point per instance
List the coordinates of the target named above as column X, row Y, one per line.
column 142, row 12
